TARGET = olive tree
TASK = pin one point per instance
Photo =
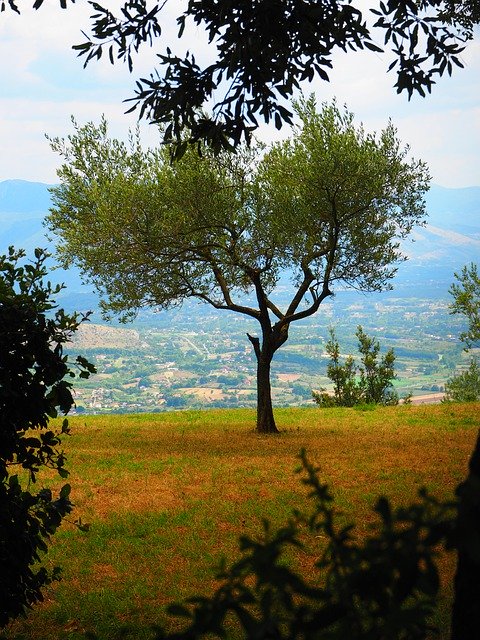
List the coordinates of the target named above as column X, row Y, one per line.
column 327, row 206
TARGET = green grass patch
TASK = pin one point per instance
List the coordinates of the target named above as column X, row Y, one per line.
column 167, row 496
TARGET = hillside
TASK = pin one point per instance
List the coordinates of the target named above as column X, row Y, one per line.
column 450, row 239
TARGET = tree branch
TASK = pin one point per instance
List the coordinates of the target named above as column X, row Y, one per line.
column 248, row 311
column 256, row 345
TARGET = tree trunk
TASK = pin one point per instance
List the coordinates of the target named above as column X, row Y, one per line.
column 265, row 419
column 264, row 355
column 466, row 609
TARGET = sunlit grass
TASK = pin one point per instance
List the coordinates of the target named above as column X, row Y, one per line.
column 167, row 495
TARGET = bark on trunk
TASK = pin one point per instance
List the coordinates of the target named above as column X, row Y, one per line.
column 264, row 355
column 466, row 606
column 265, row 419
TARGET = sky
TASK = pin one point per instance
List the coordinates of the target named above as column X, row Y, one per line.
column 43, row 84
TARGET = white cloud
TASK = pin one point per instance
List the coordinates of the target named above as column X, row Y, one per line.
column 26, row 153
column 43, row 83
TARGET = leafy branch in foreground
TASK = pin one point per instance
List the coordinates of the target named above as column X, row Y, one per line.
column 380, row 586
column 34, row 387
column 261, row 53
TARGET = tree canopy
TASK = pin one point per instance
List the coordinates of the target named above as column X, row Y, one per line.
column 263, row 50
column 327, row 206
column 466, row 302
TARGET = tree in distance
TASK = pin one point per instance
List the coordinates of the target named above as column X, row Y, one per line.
column 466, row 302
column 465, row 386
column 35, row 385
column 372, row 385
column 327, row 206
column 263, row 50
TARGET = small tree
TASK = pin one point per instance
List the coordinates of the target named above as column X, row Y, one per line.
column 370, row 383
column 466, row 302
column 343, row 376
column 375, row 375
column 327, row 206
column 465, row 387
column 34, row 387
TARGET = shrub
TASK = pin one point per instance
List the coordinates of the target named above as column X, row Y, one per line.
column 35, row 384
column 464, row 387
column 370, row 383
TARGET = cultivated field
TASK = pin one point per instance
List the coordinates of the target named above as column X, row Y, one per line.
column 168, row 494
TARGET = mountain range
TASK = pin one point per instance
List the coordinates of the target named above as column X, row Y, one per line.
column 450, row 239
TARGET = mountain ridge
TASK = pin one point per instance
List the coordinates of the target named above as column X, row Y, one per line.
column 450, row 238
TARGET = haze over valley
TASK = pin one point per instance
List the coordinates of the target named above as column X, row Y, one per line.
column 194, row 356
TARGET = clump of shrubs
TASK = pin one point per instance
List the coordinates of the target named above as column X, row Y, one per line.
column 369, row 383
column 465, row 386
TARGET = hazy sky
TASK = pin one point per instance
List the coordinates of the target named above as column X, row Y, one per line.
column 43, row 83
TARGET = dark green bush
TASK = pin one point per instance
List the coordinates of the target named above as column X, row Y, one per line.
column 35, row 385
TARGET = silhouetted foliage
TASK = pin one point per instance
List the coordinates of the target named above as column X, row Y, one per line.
column 369, row 383
column 466, row 612
column 34, row 387
column 380, row 586
column 263, row 50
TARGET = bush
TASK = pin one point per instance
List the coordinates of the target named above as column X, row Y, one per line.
column 370, row 383
column 464, row 387
column 35, row 384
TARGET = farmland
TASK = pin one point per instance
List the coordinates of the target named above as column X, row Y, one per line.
column 195, row 357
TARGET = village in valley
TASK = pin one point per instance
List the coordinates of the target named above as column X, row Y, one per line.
column 195, row 357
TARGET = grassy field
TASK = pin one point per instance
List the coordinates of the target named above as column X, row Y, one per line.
column 168, row 494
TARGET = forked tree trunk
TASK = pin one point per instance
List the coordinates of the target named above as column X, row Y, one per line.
column 264, row 355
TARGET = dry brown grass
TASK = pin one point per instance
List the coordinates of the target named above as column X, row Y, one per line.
column 168, row 494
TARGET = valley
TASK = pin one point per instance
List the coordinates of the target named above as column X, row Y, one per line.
column 195, row 357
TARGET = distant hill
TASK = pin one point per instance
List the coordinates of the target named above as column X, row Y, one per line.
column 20, row 196
column 449, row 240
column 452, row 235
column 23, row 207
